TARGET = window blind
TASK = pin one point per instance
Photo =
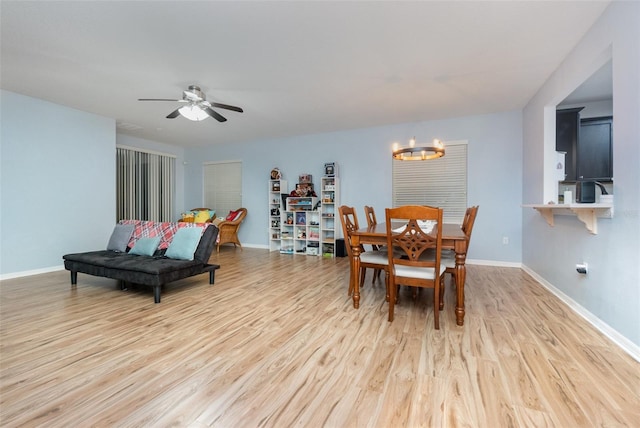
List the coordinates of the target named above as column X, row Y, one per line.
column 223, row 186
column 145, row 185
column 438, row 182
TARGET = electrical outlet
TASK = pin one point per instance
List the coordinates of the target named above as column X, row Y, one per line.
column 582, row 268
column 505, row 240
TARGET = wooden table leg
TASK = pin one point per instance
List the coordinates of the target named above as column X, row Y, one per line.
column 461, row 274
column 355, row 268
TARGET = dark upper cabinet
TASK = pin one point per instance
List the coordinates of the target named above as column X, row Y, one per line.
column 567, row 131
column 595, row 161
column 587, row 143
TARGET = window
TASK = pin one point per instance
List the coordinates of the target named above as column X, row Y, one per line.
column 223, row 186
column 438, row 182
column 145, row 185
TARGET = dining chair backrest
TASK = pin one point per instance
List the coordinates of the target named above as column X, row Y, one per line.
column 371, row 221
column 349, row 220
column 469, row 220
column 371, row 215
column 449, row 257
column 415, row 234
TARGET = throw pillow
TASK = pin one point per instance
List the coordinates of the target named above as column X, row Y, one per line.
column 188, row 217
column 232, row 215
column 202, row 216
column 145, row 246
column 184, row 243
column 120, row 237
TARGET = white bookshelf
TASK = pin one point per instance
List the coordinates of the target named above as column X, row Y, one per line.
column 276, row 211
column 300, row 228
column 329, row 199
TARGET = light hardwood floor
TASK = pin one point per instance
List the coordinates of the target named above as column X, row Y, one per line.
column 276, row 343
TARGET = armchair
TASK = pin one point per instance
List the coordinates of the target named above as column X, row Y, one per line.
column 228, row 229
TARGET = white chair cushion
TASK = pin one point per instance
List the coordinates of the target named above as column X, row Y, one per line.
column 416, row 272
column 448, row 259
column 377, row 257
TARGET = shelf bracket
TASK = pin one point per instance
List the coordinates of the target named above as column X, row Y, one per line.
column 588, row 217
column 547, row 213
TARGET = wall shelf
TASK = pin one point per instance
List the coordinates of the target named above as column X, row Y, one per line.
column 586, row 213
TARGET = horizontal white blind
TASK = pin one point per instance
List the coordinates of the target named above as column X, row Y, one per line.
column 438, row 182
column 223, row 186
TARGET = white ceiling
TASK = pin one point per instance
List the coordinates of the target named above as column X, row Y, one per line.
column 295, row 67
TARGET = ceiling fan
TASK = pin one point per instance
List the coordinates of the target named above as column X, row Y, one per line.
column 196, row 107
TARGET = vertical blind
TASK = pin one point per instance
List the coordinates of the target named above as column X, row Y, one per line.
column 438, row 182
column 223, row 186
column 145, row 185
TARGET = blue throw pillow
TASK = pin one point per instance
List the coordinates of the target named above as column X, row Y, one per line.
column 120, row 237
column 184, row 243
column 145, row 246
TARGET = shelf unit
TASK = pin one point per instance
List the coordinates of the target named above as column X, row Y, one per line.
column 586, row 213
column 329, row 201
column 300, row 228
column 276, row 210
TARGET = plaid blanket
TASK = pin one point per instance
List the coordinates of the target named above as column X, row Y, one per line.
column 165, row 230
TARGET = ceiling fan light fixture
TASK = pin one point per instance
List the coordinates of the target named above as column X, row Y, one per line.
column 195, row 106
column 193, row 112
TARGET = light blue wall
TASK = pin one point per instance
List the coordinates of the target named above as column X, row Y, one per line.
column 58, row 183
column 364, row 168
column 611, row 290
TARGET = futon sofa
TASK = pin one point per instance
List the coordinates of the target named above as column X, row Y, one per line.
column 161, row 266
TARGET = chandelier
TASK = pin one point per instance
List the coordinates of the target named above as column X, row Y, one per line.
column 415, row 153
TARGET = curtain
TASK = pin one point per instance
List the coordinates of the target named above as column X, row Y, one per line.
column 145, row 184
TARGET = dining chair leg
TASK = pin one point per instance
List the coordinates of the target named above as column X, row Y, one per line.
column 436, row 309
column 441, row 302
column 363, row 273
column 386, row 286
column 392, row 299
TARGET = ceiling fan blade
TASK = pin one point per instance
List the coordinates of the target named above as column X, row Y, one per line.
column 174, row 114
column 215, row 115
column 156, row 99
column 226, row 106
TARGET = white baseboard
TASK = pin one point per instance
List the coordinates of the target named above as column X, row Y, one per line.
column 628, row 346
column 493, row 263
column 262, row 247
column 30, row 272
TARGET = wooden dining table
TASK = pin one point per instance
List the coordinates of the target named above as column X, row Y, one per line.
column 453, row 238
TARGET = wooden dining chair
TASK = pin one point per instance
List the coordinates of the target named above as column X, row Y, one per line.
column 370, row 215
column 417, row 245
column 368, row 259
column 449, row 256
